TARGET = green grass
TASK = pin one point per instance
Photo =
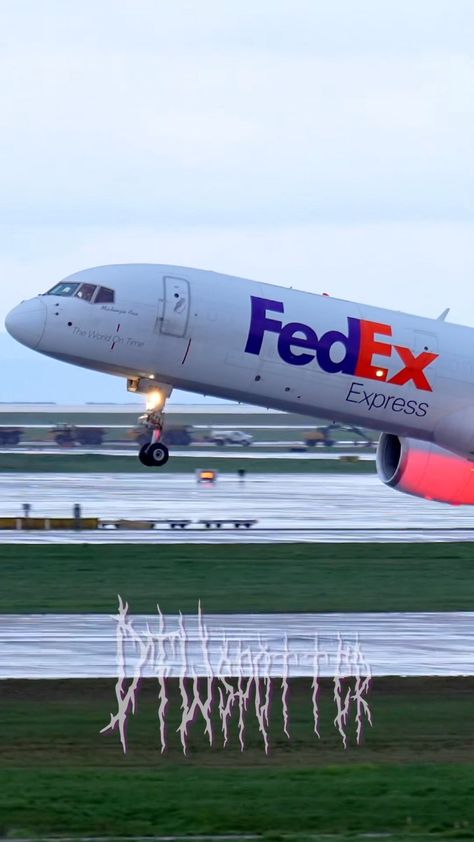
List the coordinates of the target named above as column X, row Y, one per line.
column 238, row 578
column 413, row 774
column 96, row 462
column 419, row 798
column 57, row 724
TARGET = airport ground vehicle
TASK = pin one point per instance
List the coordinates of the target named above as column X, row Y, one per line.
column 222, row 437
column 408, row 377
column 10, row 436
column 323, row 436
column 319, row 436
column 67, row 435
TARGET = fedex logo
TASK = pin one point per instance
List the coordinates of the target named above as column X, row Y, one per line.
column 298, row 344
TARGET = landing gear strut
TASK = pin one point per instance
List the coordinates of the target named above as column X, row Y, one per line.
column 153, row 454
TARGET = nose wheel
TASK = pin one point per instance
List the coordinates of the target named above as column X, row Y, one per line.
column 154, row 455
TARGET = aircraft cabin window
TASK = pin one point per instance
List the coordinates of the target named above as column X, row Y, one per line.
column 86, row 291
column 104, row 296
column 63, row 289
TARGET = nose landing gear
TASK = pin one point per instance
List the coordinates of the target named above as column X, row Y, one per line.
column 153, row 454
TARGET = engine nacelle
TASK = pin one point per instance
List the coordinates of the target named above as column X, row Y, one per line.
column 425, row 470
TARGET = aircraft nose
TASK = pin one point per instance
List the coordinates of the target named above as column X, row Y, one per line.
column 27, row 321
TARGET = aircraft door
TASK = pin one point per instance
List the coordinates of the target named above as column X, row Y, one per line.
column 176, row 306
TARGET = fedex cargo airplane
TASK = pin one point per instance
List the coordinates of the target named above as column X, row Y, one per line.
column 162, row 327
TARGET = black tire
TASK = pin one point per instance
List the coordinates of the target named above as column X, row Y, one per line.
column 157, row 455
column 143, row 456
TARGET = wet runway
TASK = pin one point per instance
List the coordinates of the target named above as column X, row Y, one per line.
column 230, row 536
column 288, row 507
column 67, row 646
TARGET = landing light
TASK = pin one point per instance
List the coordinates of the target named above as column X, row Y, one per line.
column 155, row 399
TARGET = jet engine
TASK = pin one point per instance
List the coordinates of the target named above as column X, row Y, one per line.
column 425, row 470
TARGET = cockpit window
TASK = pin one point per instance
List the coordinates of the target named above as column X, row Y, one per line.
column 88, row 292
column 85, row 291
column 63, row 289
column 104, row 296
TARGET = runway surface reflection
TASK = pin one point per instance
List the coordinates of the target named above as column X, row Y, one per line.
column 288, row 507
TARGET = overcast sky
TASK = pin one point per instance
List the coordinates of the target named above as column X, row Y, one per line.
column 323, row 145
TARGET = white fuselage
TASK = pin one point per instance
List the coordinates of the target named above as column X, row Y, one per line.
column 266, row 345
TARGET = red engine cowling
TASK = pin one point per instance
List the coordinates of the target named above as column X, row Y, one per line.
column 425, row 470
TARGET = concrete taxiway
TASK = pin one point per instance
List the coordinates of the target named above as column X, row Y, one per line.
column 67, row 646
